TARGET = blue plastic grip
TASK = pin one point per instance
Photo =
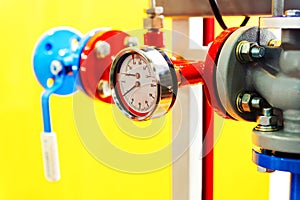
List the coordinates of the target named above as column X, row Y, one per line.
column 58, row 82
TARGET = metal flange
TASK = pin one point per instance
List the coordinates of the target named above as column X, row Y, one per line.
column 96, row 59
column 232, row 75
column 210, row 69
column 277, row 141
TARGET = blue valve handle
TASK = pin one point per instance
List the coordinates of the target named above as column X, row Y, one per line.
column 55, row 57
column 48, row 138
column 59, row 44
column 58, row 83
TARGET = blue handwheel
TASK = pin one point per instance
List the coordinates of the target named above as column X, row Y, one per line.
column 57, row 51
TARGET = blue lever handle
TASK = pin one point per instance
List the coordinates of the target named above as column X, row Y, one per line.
column 58, row 82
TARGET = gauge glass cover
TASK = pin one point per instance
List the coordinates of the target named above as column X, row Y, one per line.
column 143, row 83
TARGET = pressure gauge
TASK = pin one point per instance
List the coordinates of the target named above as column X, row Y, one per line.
column 143, row 82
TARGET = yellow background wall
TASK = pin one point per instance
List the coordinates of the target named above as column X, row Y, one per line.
column 83, row 177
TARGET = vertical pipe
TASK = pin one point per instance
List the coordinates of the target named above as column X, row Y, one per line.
column 209, row 30
column 208, row 153
column 277, row 7
column 295, row 187
column 208, row 126
column 154, row 36
column 152, row 3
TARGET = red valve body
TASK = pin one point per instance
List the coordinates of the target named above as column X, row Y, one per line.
column 95, row 68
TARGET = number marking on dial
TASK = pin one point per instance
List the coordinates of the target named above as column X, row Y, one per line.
column 138, row 84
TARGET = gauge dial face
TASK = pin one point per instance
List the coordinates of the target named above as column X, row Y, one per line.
column 137, row 84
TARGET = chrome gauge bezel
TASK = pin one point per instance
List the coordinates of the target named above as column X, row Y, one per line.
column 166, row 81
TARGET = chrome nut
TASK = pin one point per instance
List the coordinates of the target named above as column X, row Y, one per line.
column 267, row 120
column 154, row 23
column 103, row 89
column 102, row 49
column 274, row 43
column 131, row 41
column 155, row 11
column 247, row 51
column 264, row 170
column 243, row 51
column 56, row 67
column 292, row 13
column 246, row 102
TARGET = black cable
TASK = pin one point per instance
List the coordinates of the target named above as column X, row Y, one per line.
column 215, row 8
column 216, row 11
column 245, row 21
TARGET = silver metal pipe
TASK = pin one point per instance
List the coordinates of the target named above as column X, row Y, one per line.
column 152, row 3
column 277, row 7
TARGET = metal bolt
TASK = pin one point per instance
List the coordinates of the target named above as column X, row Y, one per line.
column 247, row 51
column 103, row 89
column 274, row 43
column 243, row 102
column 267, row 120
column 155, row 11
column 267, row 111
column 292, row 13
column 246, row 102
column 256, row 102
column 102, row 49
column 131, row 41
column 257, row 51
column 264, row 170
column 56, row 67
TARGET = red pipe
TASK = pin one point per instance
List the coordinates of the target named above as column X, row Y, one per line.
column 208, row 126
column 208, row 30
column 191, row 72
column 154, row 38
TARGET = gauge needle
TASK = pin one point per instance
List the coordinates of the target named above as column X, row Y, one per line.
column 137, row 75
column 137, row 84
column 128, row 74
